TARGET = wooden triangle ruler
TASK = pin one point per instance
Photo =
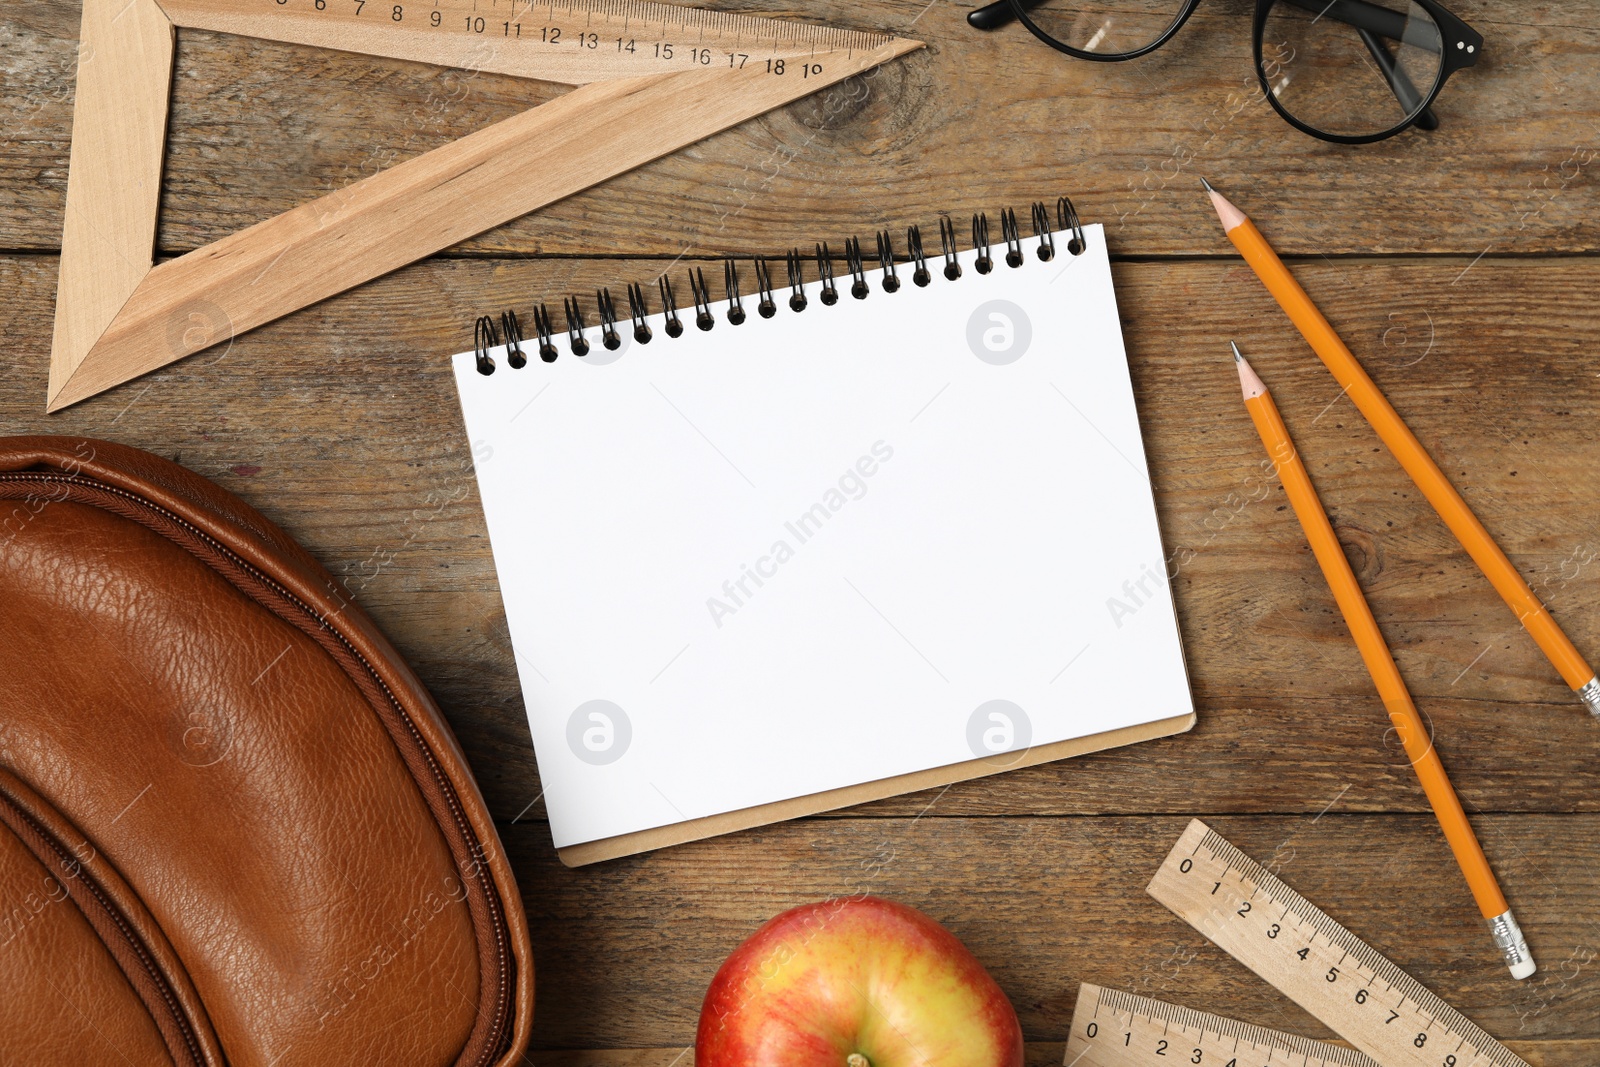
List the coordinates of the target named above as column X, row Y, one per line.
column 650, row 78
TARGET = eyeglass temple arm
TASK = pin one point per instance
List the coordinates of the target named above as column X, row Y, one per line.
column 1404, row 91
column 993, row 16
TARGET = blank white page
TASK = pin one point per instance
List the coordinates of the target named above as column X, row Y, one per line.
column 808, row 552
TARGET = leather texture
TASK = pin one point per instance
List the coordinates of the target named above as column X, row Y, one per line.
column 234, row 827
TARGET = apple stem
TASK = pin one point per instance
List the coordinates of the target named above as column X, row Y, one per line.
column 856, row 1059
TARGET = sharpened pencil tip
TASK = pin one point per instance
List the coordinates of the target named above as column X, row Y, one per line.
column 1227, row 214
column 1249, row 381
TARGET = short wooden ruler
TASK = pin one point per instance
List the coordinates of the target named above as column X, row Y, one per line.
column 1312, row 960
column 1111, row 1028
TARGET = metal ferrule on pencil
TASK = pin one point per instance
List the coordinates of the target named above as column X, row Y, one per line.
column 1590, row 695
column 1513, row 946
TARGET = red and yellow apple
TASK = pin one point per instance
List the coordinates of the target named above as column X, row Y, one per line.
column 855, row 982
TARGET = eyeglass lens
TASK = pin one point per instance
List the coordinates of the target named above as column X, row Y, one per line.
column 1351, row 68
column 1111, row 29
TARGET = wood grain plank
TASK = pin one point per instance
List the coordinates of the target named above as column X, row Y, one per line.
column 342, row 424
column 976, row 122
column 626, row 949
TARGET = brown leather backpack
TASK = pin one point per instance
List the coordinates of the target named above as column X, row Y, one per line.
column 234, row 827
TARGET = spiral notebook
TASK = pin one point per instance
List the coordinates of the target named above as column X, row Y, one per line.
column 806, row 541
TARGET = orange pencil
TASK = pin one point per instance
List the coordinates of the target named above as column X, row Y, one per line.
column 1380, row 663
column 1408, row 450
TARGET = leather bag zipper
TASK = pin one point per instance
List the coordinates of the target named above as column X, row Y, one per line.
column 69, row 868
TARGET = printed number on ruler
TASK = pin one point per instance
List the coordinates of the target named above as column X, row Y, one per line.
column 1314, row 961
column 627, row 37
column 1111, row 1028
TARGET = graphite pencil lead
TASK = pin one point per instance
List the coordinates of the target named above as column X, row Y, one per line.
column 1238, row 357
column 1207, row 185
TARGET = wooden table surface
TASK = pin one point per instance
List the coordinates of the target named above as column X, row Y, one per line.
column 1461, row 266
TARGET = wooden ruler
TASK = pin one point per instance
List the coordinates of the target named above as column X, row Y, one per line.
column 651, row 78
column 569, row 41
column 1111, row 1028
column 1314, row 961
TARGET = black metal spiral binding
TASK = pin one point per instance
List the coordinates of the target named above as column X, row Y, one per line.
column 1041, row 230
column 484, row 338
column 513, row 331
column 829, row 294
column 1067, row 219
column 947, row 241
column 919, row 276
column 639, row 310
column 575, row 338
column 980, row 243
column 608, row 320
column 730, row 282
column 669, row 307
column 487, row 333
column 858, row 270
column 890, row 281
column 1013, row 238
column 766, row 307
column 702, row 299
column 797, row 281
column 541, row 323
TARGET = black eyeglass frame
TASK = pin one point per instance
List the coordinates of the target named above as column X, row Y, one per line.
column 1370, row 20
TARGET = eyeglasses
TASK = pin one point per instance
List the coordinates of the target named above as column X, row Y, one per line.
column 1349, row 71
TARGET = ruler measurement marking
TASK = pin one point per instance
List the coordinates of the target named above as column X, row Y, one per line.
column 712, row 27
